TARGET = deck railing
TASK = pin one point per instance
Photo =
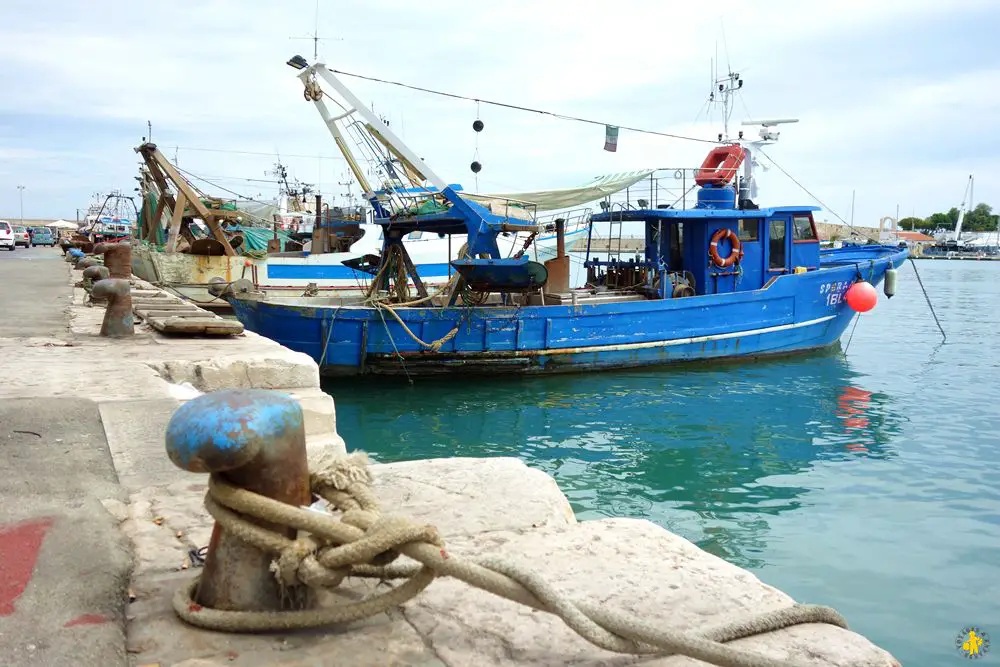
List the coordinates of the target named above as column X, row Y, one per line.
column 672, row 187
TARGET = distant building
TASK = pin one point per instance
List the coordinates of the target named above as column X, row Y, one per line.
column 914, row 237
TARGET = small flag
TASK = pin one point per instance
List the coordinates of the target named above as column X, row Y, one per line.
column 610, row 138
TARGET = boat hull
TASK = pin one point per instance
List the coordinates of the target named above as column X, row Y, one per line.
column 794, row 313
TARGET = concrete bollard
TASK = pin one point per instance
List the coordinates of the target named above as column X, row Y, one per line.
column 93, row 274
column 86, row 263
column 118, row 319
column 118, row 259
column 253, row 439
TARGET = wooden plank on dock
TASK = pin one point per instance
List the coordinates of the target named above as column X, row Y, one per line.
column 209, row 326
column 148, row 314
column 160, row 303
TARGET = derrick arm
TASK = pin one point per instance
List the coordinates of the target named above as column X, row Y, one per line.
column 188, row 197
column 481, row 235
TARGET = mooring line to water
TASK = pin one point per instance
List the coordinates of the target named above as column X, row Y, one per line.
column 944, row 336
column 857, row 319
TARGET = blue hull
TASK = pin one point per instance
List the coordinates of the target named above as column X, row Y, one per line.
column 793, row 313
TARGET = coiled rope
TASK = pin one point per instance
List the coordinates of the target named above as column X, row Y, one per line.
column 364, row 543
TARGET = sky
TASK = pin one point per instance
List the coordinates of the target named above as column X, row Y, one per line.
column 896, row 100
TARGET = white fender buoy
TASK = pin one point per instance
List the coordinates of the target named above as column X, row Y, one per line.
column 889, row 288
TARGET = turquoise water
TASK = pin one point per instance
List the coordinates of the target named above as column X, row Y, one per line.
column 867, row 481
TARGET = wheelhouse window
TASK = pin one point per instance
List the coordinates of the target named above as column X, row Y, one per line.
column 776, row 245
column 413, row 236
column 748, row 230
column 803, row 229
column 676, row 235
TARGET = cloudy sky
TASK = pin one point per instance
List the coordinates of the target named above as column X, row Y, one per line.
column 896, row 98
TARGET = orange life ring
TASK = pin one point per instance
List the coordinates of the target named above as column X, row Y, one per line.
column 735, row 255
column 720, row 166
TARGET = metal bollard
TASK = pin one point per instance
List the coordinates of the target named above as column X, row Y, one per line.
column 118, row 259
column 92, row 274
column 118, row 320
column 253, row 439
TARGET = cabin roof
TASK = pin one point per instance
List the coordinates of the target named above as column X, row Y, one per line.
column 698, row 213
column 914, row 236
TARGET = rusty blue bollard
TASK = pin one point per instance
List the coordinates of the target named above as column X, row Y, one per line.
column 253, row 439
column 118, row 319
column 93, row 274
column 118, row 259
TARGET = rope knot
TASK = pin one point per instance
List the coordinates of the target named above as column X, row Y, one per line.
column 344, row 481
column 288, row 563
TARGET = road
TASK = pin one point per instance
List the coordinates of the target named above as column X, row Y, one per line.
column 32, row 311
column 64, row 564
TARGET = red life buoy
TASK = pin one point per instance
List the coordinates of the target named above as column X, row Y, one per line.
column 720, row 166
column 734, row 256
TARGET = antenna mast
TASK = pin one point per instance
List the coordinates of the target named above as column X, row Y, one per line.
column 316, row 39
column 723, row 89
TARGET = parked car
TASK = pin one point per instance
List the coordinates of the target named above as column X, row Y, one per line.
column 21, row 236
column 42, row 236
column 6, row 235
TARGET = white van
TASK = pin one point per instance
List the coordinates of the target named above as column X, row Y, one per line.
column 6, row 235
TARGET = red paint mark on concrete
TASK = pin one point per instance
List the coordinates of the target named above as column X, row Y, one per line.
column 19, row 546
column 87, row 619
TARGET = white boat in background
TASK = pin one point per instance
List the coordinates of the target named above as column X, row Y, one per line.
column 291, row 273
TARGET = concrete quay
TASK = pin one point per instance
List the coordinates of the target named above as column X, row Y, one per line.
column 97, row 526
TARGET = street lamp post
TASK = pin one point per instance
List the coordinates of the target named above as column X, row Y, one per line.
column 20, row 193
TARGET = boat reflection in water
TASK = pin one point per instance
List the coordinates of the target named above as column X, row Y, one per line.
column 712, row 453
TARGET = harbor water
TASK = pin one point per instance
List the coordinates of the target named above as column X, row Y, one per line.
column 865, row 478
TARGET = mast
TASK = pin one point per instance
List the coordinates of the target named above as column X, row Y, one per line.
column 966, row 201
column 723, row 90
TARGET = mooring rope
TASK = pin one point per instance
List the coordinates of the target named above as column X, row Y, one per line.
column 944, row 336
column 434, row 346
column 364, row 543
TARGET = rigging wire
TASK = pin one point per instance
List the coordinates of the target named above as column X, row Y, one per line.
column 806, row 190
column 232, row 192
column 523, row 108
column 236, row 152
column 588, row 121
column 215, row 185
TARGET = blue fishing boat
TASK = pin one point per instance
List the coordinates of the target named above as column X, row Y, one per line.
column 723, row 278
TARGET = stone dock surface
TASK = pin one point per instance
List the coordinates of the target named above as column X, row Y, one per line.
column 97, row 526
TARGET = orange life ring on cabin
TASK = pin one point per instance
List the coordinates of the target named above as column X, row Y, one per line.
column 720, row 166
column 734, row 256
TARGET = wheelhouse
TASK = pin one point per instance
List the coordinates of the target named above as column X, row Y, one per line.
column 713, row 248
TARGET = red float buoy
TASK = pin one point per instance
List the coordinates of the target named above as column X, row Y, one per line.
column 861, row 296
